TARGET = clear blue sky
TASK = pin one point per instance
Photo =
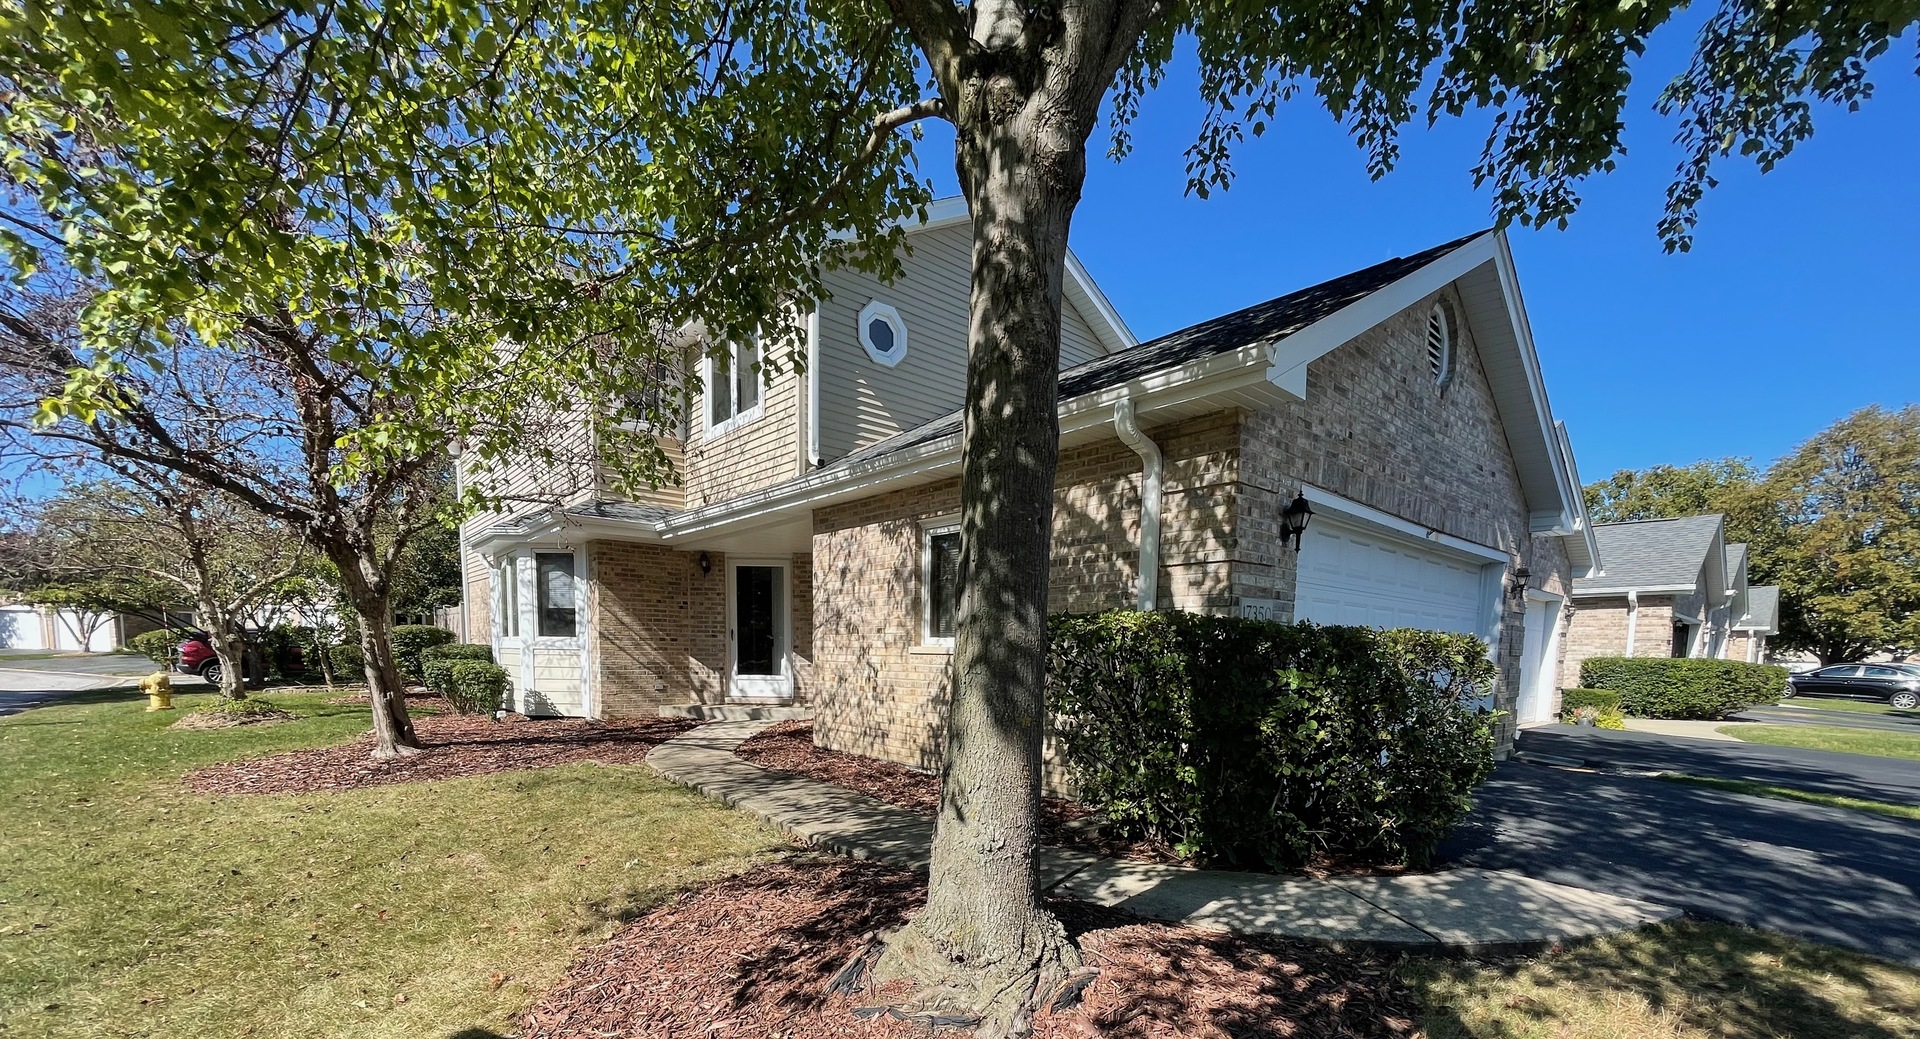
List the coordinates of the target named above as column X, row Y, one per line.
column 1799, row 303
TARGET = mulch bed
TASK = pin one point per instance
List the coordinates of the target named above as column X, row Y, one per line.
column 751, row 956
column 202, row 720
column 788, row 747
column 457, row 746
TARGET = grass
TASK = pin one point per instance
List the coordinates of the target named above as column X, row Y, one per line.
column 1834, row 703
column 1788, row 793
column 130, row 907
column 1685, row 980
column 1825, row 737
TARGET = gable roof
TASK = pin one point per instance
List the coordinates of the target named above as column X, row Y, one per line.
column 1736, row 562
column 1253, row 358
column 1650, row 555
column 1262, row 324
column 1763, row 610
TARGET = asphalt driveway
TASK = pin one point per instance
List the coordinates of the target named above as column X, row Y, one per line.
column 1835, row 876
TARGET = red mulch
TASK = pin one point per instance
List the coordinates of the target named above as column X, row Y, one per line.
column 457, row 746
column 788, row 747
column 751, row 957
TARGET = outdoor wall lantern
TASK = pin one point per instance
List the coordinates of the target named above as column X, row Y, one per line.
column 1518, row 588
column 706, row 563
column 1294, row 519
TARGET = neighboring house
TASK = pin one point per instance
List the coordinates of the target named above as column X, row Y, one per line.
column 1671, row 588
column 27, row 627
column 809, row 554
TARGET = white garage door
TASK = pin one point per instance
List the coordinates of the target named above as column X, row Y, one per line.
column 1350, row 576
column 20, row 628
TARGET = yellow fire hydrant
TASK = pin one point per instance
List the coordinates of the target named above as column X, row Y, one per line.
column 159, row 689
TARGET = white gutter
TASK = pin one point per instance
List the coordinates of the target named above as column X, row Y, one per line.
column 1633, row 618
column 1150, row 468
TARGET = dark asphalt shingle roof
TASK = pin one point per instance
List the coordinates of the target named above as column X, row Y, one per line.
column 1260, row 324
column 1736, row 561
column 621, row 510
column 1763, row 609
column 1651, row 553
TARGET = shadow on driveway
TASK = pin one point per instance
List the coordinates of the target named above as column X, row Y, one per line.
column 1826, row 874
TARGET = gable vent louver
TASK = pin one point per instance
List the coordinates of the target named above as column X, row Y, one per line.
column 1439, row 343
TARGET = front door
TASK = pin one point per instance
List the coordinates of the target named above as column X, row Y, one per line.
column 1536, row 664
column 758, row 632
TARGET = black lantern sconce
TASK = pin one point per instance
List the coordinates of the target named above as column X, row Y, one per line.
column 1294, row 519
column 706, row 563
column 1517, row 588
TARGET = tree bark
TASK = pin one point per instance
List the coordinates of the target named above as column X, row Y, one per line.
column 985, row 942
column 392, row 726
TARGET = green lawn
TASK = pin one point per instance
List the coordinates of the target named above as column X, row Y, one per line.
column 130, row 907
column 1685, row 980
column 1824, row 737
column 1788, row 793
column 1826, row 703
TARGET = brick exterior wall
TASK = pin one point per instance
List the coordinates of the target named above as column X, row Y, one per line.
column 639, row 627
column 1599, row 629
column 1377, row 429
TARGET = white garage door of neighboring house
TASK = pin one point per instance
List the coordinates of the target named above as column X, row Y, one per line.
column 1351, row 576
column 20, row 628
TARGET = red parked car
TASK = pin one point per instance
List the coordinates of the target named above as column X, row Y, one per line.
column 195, row 656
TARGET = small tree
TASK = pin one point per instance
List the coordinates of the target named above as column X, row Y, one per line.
column 174, row 541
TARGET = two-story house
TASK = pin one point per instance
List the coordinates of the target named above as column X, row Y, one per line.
column 808, row 554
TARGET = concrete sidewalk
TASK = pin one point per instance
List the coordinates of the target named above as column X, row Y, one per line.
column 1456, row 909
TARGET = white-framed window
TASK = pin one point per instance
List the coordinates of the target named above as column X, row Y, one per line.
column 1439, row 343
column 733, row 387
column 939, row 583
column 883, row 333
column 556, row 596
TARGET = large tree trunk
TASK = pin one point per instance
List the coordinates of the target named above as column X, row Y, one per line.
column 984, row 941
column 392, row 726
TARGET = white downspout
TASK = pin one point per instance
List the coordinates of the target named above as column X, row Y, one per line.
column 1149, row 452
column 1633, row 618
column 813, row 389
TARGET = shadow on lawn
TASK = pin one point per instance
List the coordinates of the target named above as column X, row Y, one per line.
column 1719, row 979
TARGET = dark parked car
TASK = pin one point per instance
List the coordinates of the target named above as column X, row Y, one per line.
column 1898, row 685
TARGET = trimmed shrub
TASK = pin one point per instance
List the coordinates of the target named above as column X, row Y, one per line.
column 157, row 646
column 475, row 686
column 348, row 661
column 1684, row 687
column 455, row 651
column 439, row 675
column 410, row 639
column 1604, row 703
column 1250, row 743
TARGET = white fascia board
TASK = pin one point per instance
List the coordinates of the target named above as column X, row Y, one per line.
column 1220, row 373
column 1642, row 589
column 1338, row 507
column 1572, row 496
column 1337, row 329
column 1092, row 303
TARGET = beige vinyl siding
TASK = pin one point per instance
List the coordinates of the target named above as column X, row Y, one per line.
column 672, row 496
column 1078, row 344
column 755, row 454
column 862, row 402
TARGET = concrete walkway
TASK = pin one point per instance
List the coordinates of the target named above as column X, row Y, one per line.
column 1689, row 729
column 1456, row 909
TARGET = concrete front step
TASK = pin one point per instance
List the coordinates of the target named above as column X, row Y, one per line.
column 736, row 712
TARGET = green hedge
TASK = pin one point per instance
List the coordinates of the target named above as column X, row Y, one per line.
column 349, row 663
column 1250, row 743
column 157, row 646
column 455, row 651
column 410, row 639
column 1604, row 702
column 474, row 686
column 1684, row 687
